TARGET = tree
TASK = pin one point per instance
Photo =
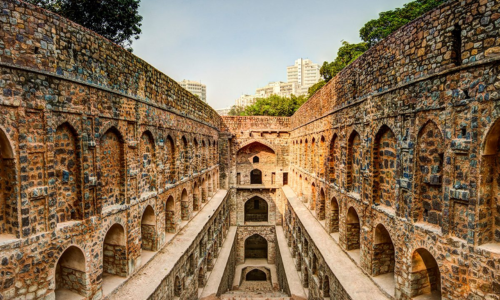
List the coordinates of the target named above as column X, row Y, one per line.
column 347, row 54
column 273, row 105
column 236, row 110
column 314, row 88
column 389, row 21
column 117, row 20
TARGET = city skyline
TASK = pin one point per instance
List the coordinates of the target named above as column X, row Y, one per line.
column 233, row 48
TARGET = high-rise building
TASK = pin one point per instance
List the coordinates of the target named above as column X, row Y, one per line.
column 280, row 88
column 304, row 73
column 246, row 100
column 196, row 88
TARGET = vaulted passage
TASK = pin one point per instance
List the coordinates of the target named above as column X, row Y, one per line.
column 425, row 275
column 256, row 210
column 256, row 247
column 256, row 275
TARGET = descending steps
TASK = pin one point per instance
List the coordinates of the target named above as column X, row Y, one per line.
column 247, row 295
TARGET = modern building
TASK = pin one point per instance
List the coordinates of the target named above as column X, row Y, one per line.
column 280, row 88
column 246, row 100
column 223, row 111
column 304, row 73
column 196, row 88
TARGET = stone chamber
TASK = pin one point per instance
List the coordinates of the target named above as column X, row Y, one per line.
column 116, row 183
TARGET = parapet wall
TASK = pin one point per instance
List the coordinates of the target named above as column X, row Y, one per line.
column 419, row 51
column 40, row 41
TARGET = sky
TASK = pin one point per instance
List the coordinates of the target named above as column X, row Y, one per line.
column 236, row 46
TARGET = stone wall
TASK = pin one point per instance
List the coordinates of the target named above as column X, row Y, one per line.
column 90, row 136
column 407, row 135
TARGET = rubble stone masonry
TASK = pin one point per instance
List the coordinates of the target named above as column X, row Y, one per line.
column 104, row 159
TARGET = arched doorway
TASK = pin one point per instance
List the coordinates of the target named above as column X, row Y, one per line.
column 425, row 275
column 256, row 210
column 115, row 252
column 196, row 197
column 170, row 215
column 353, row 230
column 383, row 254
column 326, row 287
column 321, row 205
column 148, row 229
column 256, row 275
column 255, row 247
column 256, row 176
column 354, row 157
column 184, row 206
column 8, row 197
column 71, row 278
column 147, row 179
column 334, row 216
column 384, row 165
column 111, row 168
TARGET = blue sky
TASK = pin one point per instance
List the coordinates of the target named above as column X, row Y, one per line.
column 236, row 46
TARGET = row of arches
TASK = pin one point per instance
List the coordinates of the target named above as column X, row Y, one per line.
column 155, row 163
column 424, row 273
column 72, row 270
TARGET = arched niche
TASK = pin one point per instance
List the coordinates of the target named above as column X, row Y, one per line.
column 184, row 205
column 384, row 164
column 115, row 252
column 256, row 210
column 353, row 230
column 425, row 275
column 256, row 247
column 148, row 229
column 170, row 225
column 70, row 275
column 253, row 156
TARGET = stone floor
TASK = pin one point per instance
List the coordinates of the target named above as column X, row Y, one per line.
column 64, row 294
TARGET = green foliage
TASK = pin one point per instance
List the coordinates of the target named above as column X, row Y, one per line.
column 346, row 55
column 116, row 20
column 313, row 89
column 389, row 21
column 271, row 106
column 236, row 110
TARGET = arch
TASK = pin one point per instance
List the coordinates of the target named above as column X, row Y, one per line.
column 256, row 275
column 384, row 164
column 383, row 253
column 67, row 171
column 256, row 176
column 184, row 157
column 489, row 187
column 353, row 230
column 204, row 190
column 255, row 159
column 203, row 154
column 201, row 277
column 313, row 156
column 170, row 225
column 177, row 287
column 333, row 159
column 313, row 196
column 321, row 205
column 256, row 210
column 428, row 205
column 148, row 229
column 306, row 155
column 326, row 287
column 334, row 216
column 425, row 275
column 209, row 182
column 196, row 197
column 70, row 273
column 184, row 205
column 170, row 157
column 305, row 277
column 115, row 251
column 322, row 150
column 196, row 157
column 147, row 163
column 354, row 157
column 254, row 141
column 256, row 247
column 110, row 168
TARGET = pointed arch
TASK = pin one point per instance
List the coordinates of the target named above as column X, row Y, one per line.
column 196, row 197
column 115, row 252
column 170, row 224
column 353, row 230
column 425, row 274
column 384, row 164
column 383, row 253
column 354, row 162
column 170, row 158
column 321, row 205
column 256, row 209
column 256, row 247
column 334, row 216
column 9, row 206
column 428, row 204
column 334, row 159
column 148, row 229
column 70, row 273
column 67, row 167
column 111, row 168
column 147, row 163
column 185, row 215
column 184, row 157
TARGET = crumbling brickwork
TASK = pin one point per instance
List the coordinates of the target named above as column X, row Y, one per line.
column 396, row 157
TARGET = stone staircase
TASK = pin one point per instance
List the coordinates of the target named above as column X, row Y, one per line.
column 246, row 295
